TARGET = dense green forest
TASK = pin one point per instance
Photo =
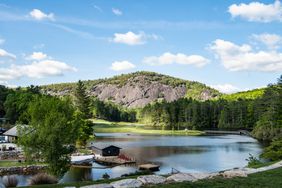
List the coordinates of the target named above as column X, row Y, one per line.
column 262, row 114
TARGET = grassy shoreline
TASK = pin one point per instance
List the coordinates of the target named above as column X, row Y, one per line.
column 125, row 127
column 9, row 163
column 270, row 179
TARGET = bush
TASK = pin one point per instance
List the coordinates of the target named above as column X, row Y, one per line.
column 274, row 151
column 10, row 181
column 253, row 161
column 42, row 178
column 106, row 176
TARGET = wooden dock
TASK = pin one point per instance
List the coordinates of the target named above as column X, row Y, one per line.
column 150, row 167
column 113, row 160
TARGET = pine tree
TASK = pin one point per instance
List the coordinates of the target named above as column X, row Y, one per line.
column 82, row 100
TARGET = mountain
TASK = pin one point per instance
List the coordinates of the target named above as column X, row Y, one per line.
column 138, row 89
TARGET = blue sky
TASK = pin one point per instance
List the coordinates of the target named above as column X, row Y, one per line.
column 230, row 45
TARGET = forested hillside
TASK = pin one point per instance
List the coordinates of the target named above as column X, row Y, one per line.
column 258, row 110
column 138, row 89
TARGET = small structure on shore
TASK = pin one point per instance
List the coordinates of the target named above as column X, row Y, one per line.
column 12, row 134
column 110, row 155
column 105, row 150
column 111, row 151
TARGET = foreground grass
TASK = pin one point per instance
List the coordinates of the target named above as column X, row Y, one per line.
column 263, row 164
column 17, row 164
column 270, row 179
column 85, row 183
column 120, row 127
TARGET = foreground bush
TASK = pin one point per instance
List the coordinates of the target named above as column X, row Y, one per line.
column 10, row 181
column 274, row 151
column 43, row 178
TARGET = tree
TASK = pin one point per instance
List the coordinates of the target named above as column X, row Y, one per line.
column 82, row 100
column 51, row 134
column 16, row 105
column 3, row 95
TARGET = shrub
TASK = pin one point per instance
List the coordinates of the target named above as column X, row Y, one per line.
column 106, row 176
column 43, row 178
column 10, row 181
column 253, row 161
column 274, row 151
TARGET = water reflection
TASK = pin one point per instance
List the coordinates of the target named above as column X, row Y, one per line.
column 184, row 153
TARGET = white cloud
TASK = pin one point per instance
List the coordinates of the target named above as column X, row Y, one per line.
column 237, row 58
column 272, row 41
column 117, row 12
column 179, row 58
column 7, row 84
column 35, row 70
column 122, row 66
column 37, row 56
column 39, row 15
column 98, row 8
column 256, row 11
column 131, row 38
column 226, row 88
column 4, row 53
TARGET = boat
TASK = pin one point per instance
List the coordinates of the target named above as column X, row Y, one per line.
column 149, row 166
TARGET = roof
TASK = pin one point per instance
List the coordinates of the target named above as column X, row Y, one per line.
column 101, row 146
column 111, row 146
column 11, row 132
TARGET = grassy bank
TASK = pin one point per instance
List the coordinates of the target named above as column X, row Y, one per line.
column 4, row 163
column 125, row 127
column 271, row 178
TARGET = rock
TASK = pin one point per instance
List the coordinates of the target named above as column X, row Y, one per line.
column 234, row 173
column 151, row 179
column 98, row 186
column 181, row 177
column 200, row 176
column 127, row 183
column 139, row 89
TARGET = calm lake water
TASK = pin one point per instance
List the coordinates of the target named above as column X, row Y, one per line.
column 184, row 153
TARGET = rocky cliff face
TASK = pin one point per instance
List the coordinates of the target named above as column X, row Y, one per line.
column 137, row 92
column 138, row 89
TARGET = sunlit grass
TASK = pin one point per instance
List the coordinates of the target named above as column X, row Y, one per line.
column 102, row 126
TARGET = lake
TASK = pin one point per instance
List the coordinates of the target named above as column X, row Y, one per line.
column 184, row 153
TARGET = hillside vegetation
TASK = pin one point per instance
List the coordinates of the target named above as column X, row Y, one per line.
column 138, row 89
column 251, row 94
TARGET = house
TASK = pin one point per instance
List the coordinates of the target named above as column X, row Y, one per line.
column 105, row 150
column 12, row 134
column 111, row 151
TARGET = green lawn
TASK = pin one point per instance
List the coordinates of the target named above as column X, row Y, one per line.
column 125, row 127
column 17, row 164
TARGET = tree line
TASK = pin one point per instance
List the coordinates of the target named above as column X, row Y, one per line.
column 263, row 115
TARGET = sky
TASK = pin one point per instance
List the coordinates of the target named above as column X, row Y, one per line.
column 226, row 44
